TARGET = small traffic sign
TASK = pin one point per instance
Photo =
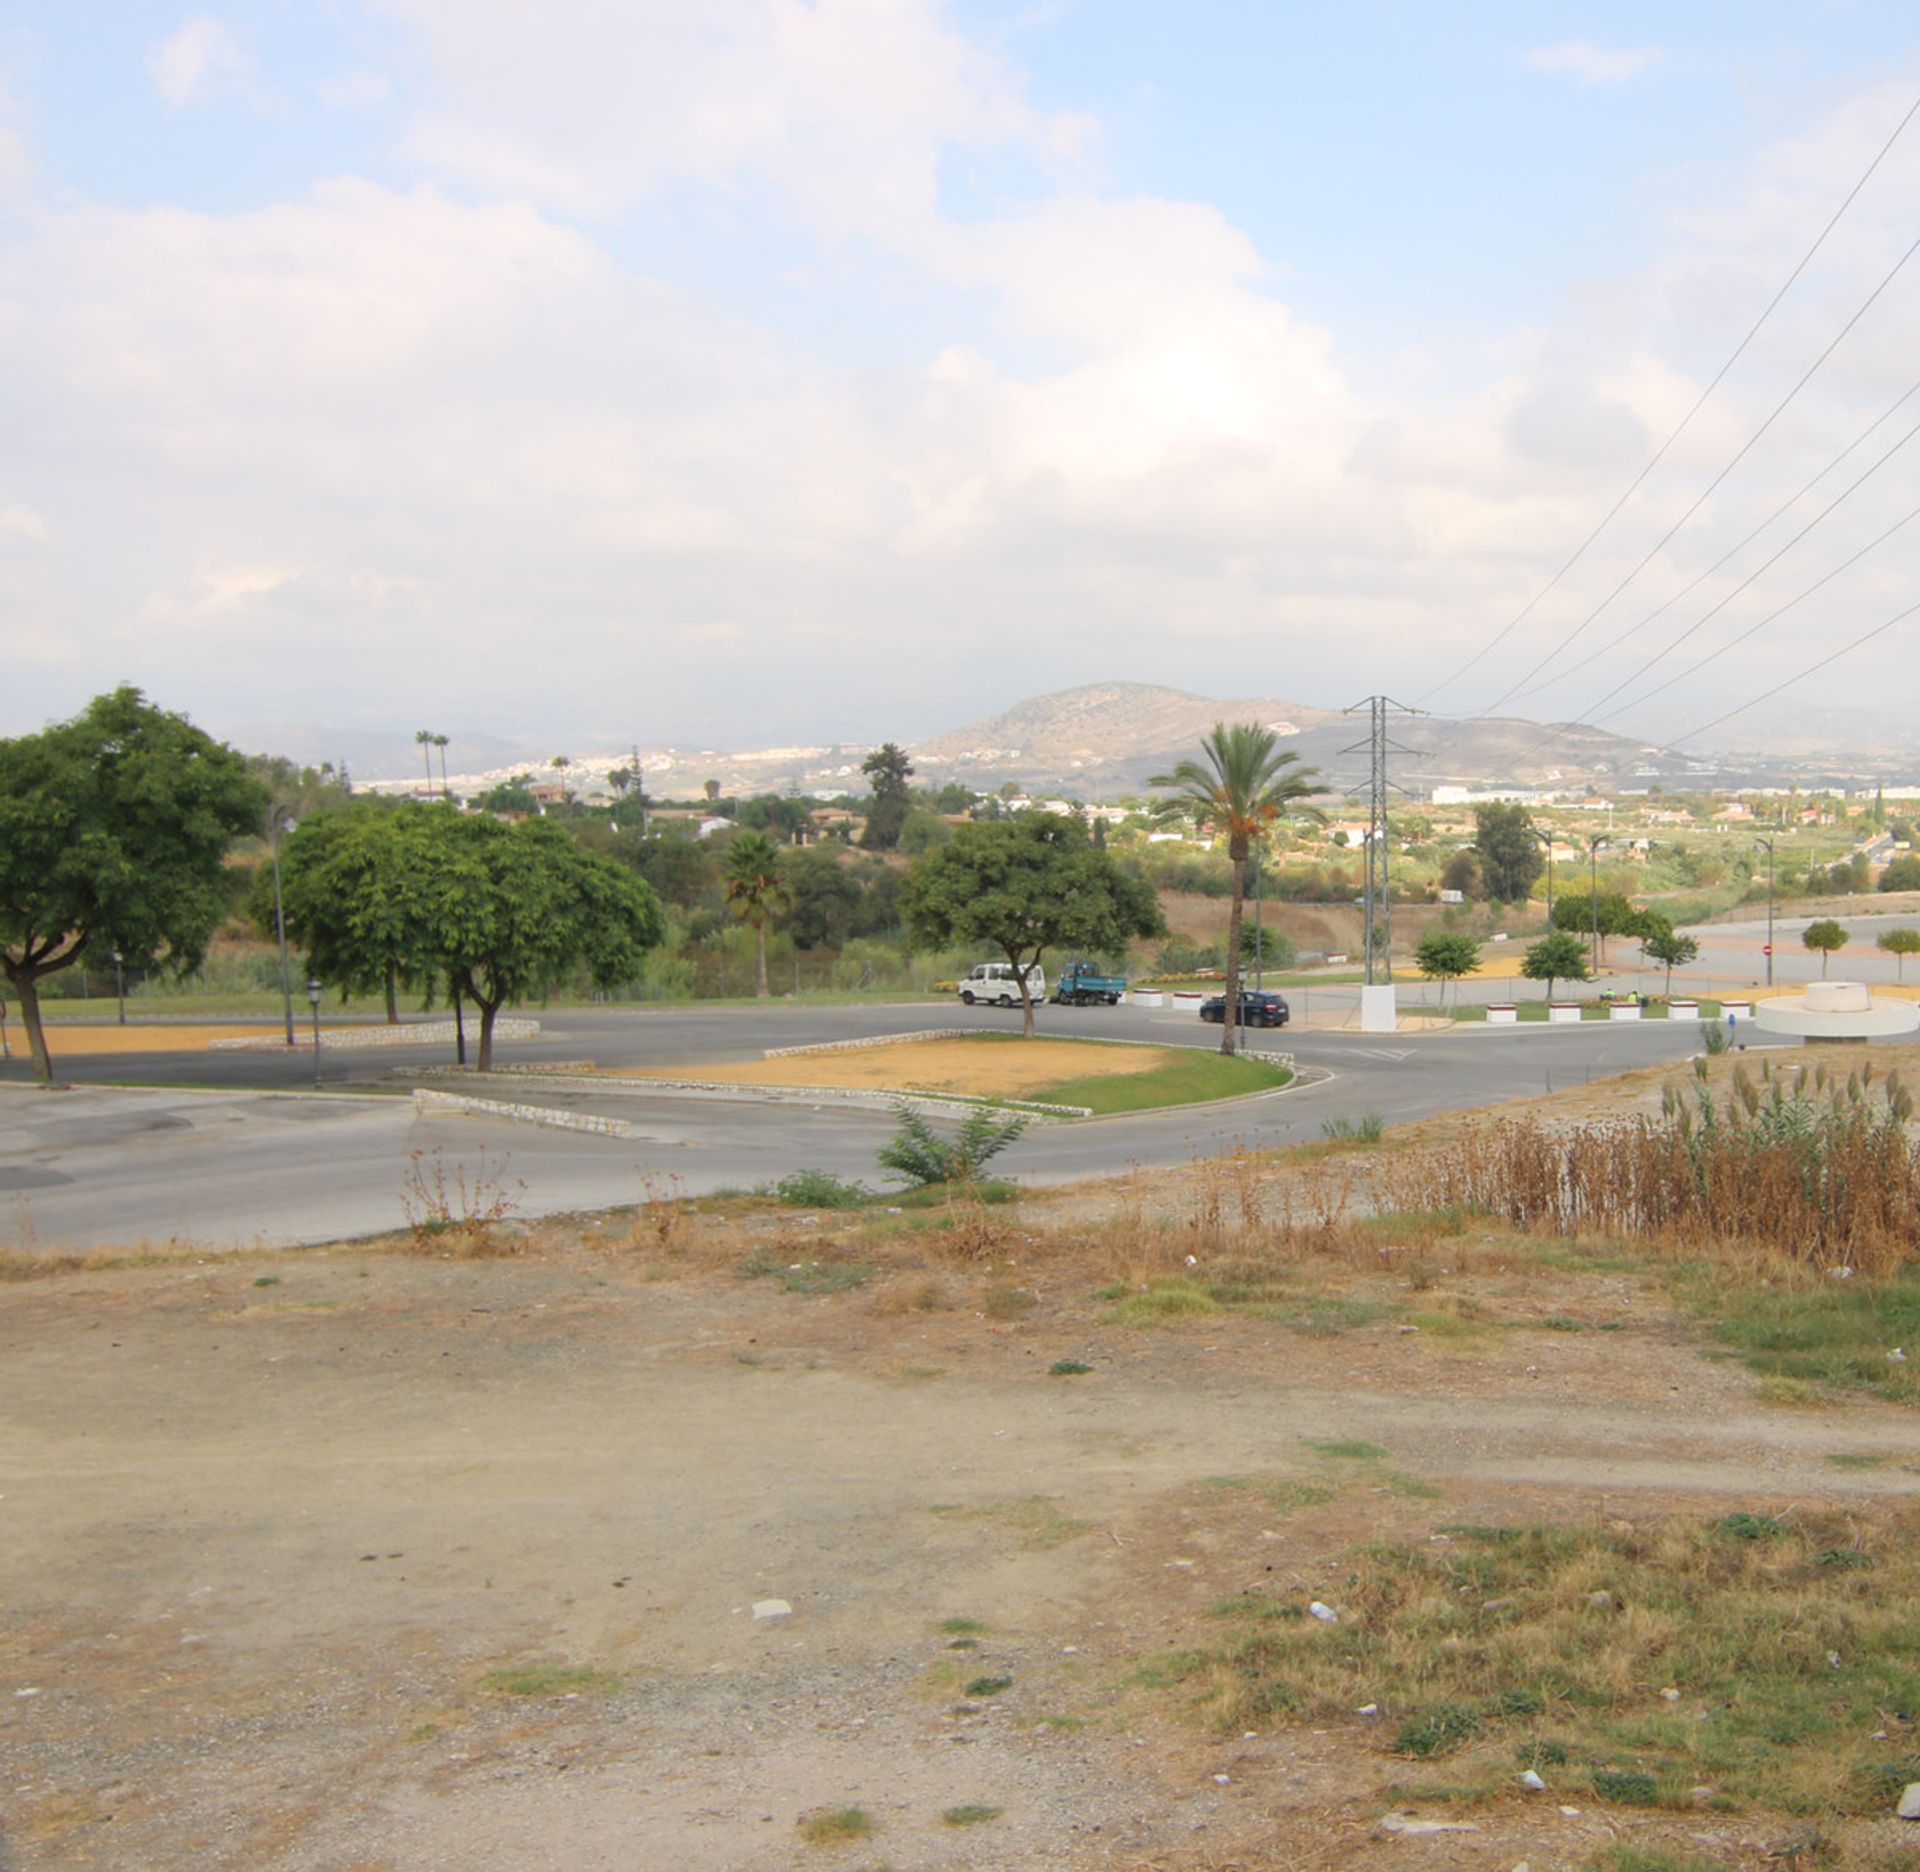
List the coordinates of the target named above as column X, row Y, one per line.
column 1766, row 948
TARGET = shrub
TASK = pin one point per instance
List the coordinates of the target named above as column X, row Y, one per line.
column 920, row 1154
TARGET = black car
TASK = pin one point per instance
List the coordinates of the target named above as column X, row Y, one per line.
column 1259, row 1007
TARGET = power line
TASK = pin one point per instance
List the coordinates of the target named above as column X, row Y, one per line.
column 1733, row 643
column 1733, row 551
column 1812, row 669
column 1712, row 486
column 1733, row 358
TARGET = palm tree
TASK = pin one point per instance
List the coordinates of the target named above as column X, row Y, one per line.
column 757, row 892
column 423, row 739
column 1241, row 786
column 440, row 741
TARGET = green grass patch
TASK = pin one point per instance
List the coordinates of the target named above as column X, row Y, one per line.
column 835, row 1826
column 962, row 1627
column 1790, row 1641
column 1347, row 1449
column 1834, row 1336
column 542, row 1680
column 970, row 1814
column 988, row 1686
column 1189, row 1076
column 1068, row 1368
column 821, row 1189
column 810, row 1276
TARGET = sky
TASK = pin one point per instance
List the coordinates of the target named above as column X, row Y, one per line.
column 775, row 372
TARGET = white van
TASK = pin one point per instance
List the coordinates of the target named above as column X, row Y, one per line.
column 996, row 982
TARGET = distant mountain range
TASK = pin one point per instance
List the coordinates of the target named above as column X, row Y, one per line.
column 1108, row 738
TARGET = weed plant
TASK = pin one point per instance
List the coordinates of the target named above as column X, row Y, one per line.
column 920, row 1154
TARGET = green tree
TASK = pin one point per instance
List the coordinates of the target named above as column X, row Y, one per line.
column 1444, row 957
column 923, row 831
column 1617, row 916
column 1027, row 886
column 1903, row 874
column 1825, row 936
column 114, row 828
column 1461, row 873
column 354, row 887
column 515, row 909
column 1559, row 957
column 1241, row 784
column 1660, row 942
column 757, row 893
column 1510, row 856
column 889, row 770
column 1899, row 943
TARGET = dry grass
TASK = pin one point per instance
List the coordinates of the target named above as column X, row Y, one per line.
column 1814, row 1169
column 1770, row 1660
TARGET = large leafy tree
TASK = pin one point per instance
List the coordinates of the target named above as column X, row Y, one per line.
column 513, row 910
column 1510, row 856
column 1242, row 785
column 1029, row 886
column 113, row 831
column 356, row 890
column 888, row 768
column 1614, row 916
column 757, row 893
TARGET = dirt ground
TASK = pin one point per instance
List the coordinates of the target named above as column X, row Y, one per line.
column 271, row 1523
column 999, row 1066
column 65, row 1038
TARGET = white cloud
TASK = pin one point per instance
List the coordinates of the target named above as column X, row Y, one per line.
column 25, row 523
column 1595, row 64
column 198, row 61
column 437, row 434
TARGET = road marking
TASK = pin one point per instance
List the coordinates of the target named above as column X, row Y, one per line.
column 1393, row 1055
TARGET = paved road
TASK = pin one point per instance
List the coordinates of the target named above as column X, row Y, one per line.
column 100, row 1165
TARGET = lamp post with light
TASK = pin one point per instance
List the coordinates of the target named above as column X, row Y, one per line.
column 278, row 821
column 1594, row 842
column 120, row 985
column 313, row 998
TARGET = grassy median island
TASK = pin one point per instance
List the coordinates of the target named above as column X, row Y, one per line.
column 1103, row 1076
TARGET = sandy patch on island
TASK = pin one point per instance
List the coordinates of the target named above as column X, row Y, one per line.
column 986, row 1064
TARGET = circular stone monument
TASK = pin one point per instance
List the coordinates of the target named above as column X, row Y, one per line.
column 1836, row 1010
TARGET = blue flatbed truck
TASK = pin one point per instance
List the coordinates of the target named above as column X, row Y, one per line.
column 1081, row 985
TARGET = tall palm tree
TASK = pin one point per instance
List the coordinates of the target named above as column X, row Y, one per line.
column 423, row 739
column 757, row 892
column 440, row 741
column 1241, row 786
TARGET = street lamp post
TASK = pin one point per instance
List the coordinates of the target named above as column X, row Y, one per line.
column 1546, row 839
column 1593, row 892
column 1768, row 843
column 278, row 822
column 119, row 985
column 313, row 998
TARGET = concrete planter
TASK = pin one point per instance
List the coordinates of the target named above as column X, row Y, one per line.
column 1147, row 997
column 1683, row 1010
column 1188, row 998
column 1624, row 1010
column 1739, row 1010
column 1563, row 1011
column 1502, row 1013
